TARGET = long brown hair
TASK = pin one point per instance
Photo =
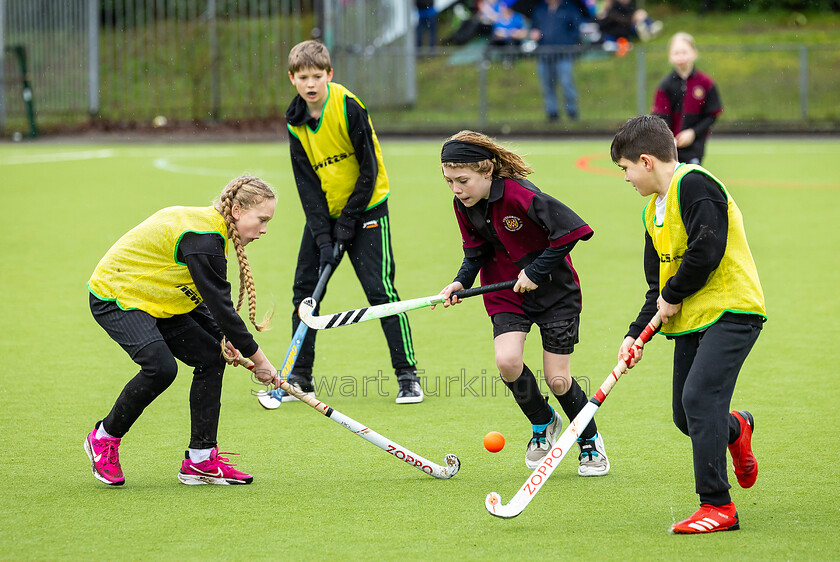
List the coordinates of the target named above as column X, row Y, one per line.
column 505, row 164
column 247, row 192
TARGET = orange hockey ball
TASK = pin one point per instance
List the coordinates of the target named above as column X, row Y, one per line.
column 494, row 441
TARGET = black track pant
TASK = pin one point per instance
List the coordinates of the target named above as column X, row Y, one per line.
column 373, row 260
column 706, row 367
column 154, row 343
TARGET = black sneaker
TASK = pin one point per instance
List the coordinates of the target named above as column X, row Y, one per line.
column 410, row 392
column 302, row 383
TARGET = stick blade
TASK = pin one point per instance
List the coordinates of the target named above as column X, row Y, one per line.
column 268, row 400
column 494, row 505
column 306, row 312
column 452, row 464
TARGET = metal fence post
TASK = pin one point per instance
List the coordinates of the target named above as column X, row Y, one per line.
column 803, row 80
column 2, row 55
column 215, row 94
column 641, row 82
column 329, row 24
column 93, row 56
column 483, row 65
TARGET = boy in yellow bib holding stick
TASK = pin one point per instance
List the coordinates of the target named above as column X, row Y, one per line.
column 704, row 282
column 343, row 188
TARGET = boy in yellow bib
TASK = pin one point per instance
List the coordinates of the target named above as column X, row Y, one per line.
column 343, row 188
column 703, row 280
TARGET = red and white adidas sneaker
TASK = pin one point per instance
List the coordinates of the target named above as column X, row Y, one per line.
column 708, row 519
column 743, row 460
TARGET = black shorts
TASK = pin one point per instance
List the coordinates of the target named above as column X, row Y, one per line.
column 558, row 337
column 134, row 329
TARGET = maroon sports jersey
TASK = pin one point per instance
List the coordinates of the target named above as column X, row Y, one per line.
column 518, row 221
column 693, row 103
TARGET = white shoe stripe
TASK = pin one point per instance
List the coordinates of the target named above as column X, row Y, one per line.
column 712, row 521
column 697, row 527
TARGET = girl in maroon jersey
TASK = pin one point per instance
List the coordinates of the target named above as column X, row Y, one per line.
column 687, row 99
column 511, row 229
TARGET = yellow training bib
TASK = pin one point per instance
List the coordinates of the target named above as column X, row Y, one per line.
column 330, row 152
column 732, row 287
column 142, row 271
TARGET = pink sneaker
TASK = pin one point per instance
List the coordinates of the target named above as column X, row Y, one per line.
column 215, row 470
column 104, row 457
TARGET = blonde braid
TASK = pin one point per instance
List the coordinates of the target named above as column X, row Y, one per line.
column 247, row 191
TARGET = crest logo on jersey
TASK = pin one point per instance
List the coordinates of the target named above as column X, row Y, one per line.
column 698, row 92
column 512, row 223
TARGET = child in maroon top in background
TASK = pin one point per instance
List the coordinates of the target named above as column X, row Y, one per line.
column 510, row 230
column 687, row 99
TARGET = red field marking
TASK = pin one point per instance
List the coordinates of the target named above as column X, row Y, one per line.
column 585, row 163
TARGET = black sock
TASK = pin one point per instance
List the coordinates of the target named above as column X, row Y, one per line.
column 527, row 393
column 734, row 429
column 572, row 403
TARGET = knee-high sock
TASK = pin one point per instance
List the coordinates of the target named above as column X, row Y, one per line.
column 572, row 403
column 527, row 393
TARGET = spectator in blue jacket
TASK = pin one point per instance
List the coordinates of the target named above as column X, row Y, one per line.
column 555, row 27
column 509, row 28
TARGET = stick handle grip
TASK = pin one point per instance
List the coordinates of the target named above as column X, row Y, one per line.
column 484, row 289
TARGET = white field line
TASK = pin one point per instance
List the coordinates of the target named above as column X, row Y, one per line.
column 56, row 157
column 168, row 165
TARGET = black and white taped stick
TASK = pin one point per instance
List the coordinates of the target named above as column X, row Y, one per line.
column 306, row 309
column 517, row 504
column 452, row 464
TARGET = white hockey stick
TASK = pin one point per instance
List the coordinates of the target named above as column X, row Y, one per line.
column 493, row 501
column 452, row 464
column 306, row 310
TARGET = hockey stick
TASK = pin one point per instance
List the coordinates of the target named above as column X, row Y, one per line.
column 517, row 504
column 270, row 399
column 452, row 464
column 307, row 307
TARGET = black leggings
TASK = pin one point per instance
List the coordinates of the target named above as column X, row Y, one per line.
column 373, row 261
column 706, row 367
column 154, row 344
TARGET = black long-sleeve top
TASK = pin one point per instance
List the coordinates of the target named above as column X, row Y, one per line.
column 309, row 184
column 204, row 255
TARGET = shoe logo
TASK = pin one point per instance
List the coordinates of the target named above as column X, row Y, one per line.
column 97, row 457
column 217, row 474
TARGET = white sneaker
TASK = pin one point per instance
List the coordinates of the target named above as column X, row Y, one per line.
column 656, row 28
column 643, row 31
column 593, row 457
column 542, row 442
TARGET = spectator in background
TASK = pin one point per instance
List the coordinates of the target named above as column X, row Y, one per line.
column 426, row 22
column 687, row 99
column 476, row 21
column 621, row 19
column 555, row 27
column 509, row 28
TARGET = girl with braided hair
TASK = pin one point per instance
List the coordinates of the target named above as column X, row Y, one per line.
column 511, row 229
column 161, row 292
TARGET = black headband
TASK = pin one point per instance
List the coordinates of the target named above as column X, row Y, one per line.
column 462, row 152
